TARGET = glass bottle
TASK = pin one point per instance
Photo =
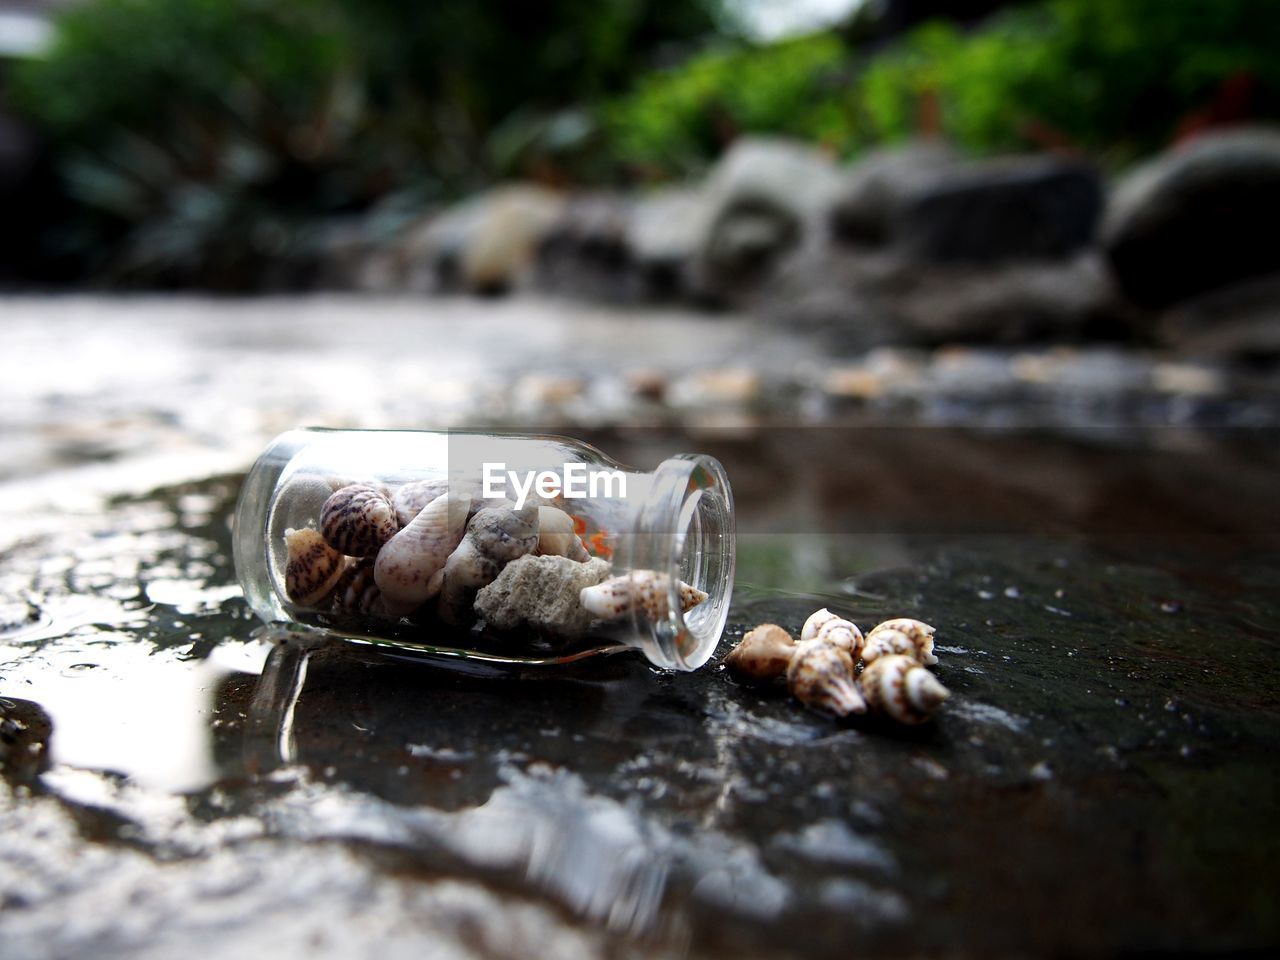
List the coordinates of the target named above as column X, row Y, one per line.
column 484, row 546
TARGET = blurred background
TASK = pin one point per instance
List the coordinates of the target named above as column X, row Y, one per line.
column 978, row 301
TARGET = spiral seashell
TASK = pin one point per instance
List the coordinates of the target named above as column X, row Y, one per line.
column 556, row 535
column 358, row 519
column 312, row 568
column 763, row 654
column 645, row 590
column 357, row 591
column 920, row 634
column 408, row 566
column 495, row 536
column 410, row 498
column 897, row 686
column 825, row 625
column 887, row 643
column 820, row 676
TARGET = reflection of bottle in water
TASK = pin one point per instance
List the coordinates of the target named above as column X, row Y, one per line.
column 487, row 546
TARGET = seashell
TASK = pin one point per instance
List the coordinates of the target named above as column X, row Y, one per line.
column 899, row 687
column 645, row 590
column 825, row 625
column 920, row 634
column 358, row 519
column 820, row 676
column 557, row 537
column 887, row 643
column 495, row 536
column 416, row 494
column 408, row 566
column 763, row 654
column 357, row 591
column 312, row 568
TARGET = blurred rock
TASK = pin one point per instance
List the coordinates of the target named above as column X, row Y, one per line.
column 1012, row 208
column 585, row 253
column 877, row 186
column 926, row 204
column 662, row 234
column 866, row 299
column 1197, row 218
column 1241, row 321
column 762, row 199
column 484, row 244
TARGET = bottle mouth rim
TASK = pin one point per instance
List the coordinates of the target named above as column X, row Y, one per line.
column 693, row 490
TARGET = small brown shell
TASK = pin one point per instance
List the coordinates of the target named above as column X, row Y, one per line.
column 821, row 677
column 763, row 654
column 358, row 519
column 825, row 625
column 919, row 633
column 312, row 568
column 357, row 591
column 900, row 688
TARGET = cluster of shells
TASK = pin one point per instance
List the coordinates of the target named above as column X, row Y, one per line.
column 821, row 669
column 424, row 549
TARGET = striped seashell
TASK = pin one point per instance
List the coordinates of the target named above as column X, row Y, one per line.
column 920, row 634
column 763, row 654
column 312, row 567
column 357, row 591
column 358, row 519
column 820, row 676
column 887, row 643
column 897, row 686
column 557, row 537
column 825, row 625
column 645, row 591
column 495, row 536
column 408, row 567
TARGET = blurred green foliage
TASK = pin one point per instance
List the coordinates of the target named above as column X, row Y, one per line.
column 1117, row 78
column 675, row 120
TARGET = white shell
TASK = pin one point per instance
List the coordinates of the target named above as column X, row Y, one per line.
column 358, row 519
column 825, row 625
column 899, row 687
column 556, row 535
column 887, row 643
column 407, row 567
column 645, row 590
column 313, row 567
column 820, row 676
column 920, row 634
column 410, row 498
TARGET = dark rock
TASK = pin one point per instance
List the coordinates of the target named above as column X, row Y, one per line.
column 1242, row 321
column 880, row 183
column 1008, row 209
column 24, row 740
column 929, row 206
column 1199, row 217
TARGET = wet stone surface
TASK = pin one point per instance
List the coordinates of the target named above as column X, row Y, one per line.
column 175, row 778
column 1101, row 780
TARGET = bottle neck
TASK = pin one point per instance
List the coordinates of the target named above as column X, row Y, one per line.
column 684, row 528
